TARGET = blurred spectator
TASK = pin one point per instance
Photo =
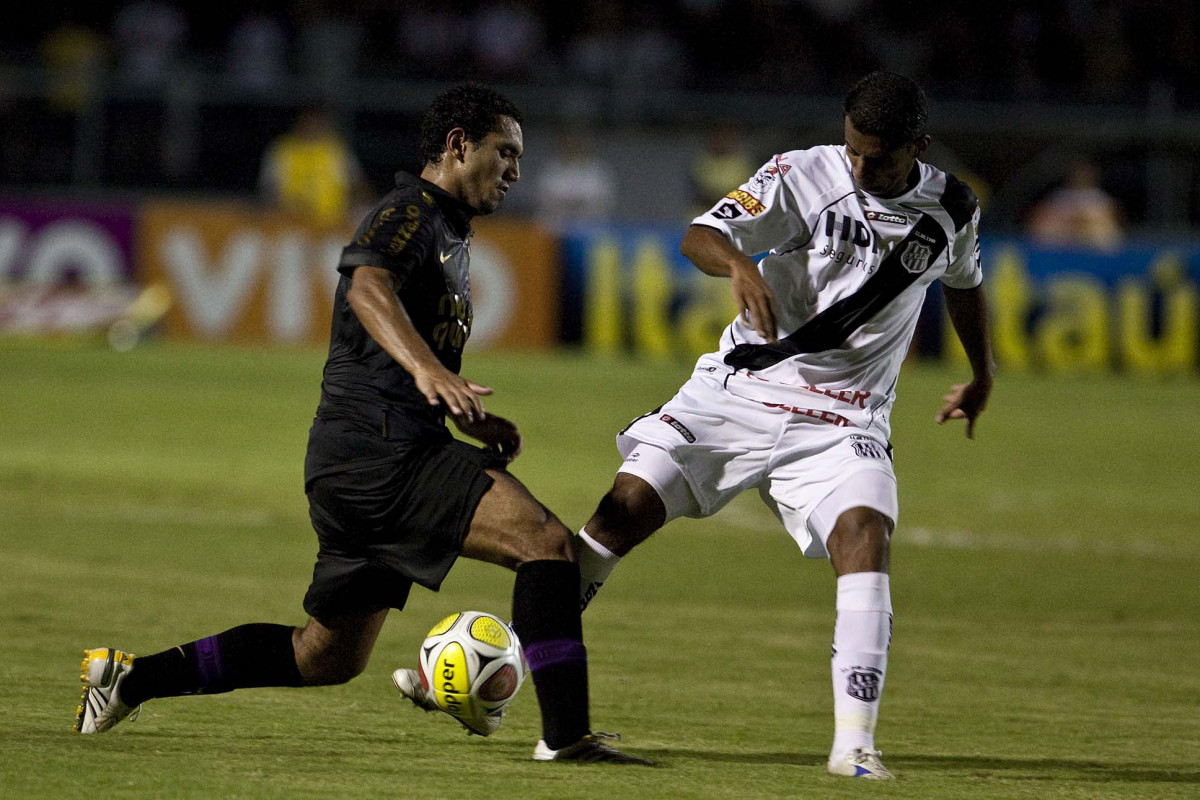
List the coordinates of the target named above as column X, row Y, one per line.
column 311, row 173
column 431, row 37
column 651, row 55
column 1078, row 213
column 75, row 57
column 722, row 166
column 329, row 45
column 1108, row 62
column 507, row 39
column 149, row 35
column 257, row 57
column 577, row 184
column 594, row 54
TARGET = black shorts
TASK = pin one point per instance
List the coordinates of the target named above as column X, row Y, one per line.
column 388, row 512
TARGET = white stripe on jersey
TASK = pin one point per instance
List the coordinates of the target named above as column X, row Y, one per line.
column 824, row 240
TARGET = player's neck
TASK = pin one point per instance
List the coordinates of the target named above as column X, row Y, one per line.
column 443, row 177
column 910, row 183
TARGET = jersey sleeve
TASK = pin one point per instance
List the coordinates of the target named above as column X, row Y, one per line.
column 396, row 237
column 759, row 215
column 964, row 271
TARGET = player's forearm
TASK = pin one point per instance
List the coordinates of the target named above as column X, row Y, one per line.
column 372, row 296
column 968, row 314
column 712, row 253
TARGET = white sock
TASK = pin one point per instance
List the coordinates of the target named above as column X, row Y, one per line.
column 861, row 638
column 596, row 563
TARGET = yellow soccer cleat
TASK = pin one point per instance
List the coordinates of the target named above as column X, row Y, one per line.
column 102, row 672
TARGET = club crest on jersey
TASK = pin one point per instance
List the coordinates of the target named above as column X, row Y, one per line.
column 915, row 257
column 767, row 174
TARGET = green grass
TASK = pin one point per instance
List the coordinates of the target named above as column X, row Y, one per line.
column 1044, row 579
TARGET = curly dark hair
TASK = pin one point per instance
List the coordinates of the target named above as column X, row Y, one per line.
column 888, row 105
column 471, row 106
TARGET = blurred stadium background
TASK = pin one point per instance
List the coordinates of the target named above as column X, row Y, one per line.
column 176, row 180
column 149, row 143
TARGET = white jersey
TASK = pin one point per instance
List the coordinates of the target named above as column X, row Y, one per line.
column 848, row 271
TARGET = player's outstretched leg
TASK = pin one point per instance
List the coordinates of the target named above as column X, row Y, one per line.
column 512, row 529
column 862, row 635
column 626, row 516
column 248, row 656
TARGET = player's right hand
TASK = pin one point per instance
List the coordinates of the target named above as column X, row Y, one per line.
column 754, row 299
column 461, row 396
column 966, row 401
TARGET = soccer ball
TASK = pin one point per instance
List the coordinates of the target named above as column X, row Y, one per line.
column 472, row 665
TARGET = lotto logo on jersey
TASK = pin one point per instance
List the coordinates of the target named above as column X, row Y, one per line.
column 679, row 426
column 752, row 204
column 884, row 216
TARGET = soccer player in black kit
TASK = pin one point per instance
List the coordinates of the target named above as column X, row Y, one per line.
column 394, row 498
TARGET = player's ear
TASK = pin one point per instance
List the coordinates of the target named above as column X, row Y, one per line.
column 456, row 143
column 923, row 143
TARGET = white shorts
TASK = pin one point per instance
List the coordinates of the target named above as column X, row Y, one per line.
column 706, row 446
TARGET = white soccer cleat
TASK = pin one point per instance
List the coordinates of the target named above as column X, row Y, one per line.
column 408, row 681
column 861, row 762
column 102, row 672
column 593, row 748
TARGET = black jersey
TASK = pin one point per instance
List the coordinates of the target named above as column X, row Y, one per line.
column 422, row 235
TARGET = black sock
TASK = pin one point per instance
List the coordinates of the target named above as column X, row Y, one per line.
column 260, row 654
column 546, row 617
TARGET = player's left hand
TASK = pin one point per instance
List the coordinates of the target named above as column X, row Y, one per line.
column 966, row 401
column 498, row 434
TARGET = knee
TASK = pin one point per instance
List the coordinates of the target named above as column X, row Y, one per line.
column 860, row 541
column 333, row 671
column 629, row 513
column 619, row 508
column 548, row 539
column 864, row 524
column 324, row 660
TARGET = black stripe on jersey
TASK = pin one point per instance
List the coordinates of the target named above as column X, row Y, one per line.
column 959, row 201
column 834, row 325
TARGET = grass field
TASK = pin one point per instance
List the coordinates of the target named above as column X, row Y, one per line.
column 1044, row 578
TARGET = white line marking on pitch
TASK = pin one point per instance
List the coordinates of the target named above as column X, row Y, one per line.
column 749, row 518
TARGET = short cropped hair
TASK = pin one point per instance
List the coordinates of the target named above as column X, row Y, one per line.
column 889, row 106
column 475, row 108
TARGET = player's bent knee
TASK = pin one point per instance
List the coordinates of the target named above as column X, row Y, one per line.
column 552, row 542
column 860, row 541
column 333, row 674
column 863, row 521
column 631, row 509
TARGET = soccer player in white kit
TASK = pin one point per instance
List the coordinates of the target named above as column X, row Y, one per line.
column 797, row 400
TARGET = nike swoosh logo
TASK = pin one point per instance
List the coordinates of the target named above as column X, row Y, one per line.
column 444, row 256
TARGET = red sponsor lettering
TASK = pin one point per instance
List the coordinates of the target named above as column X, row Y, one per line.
column 851, row 397
column 836, row 420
